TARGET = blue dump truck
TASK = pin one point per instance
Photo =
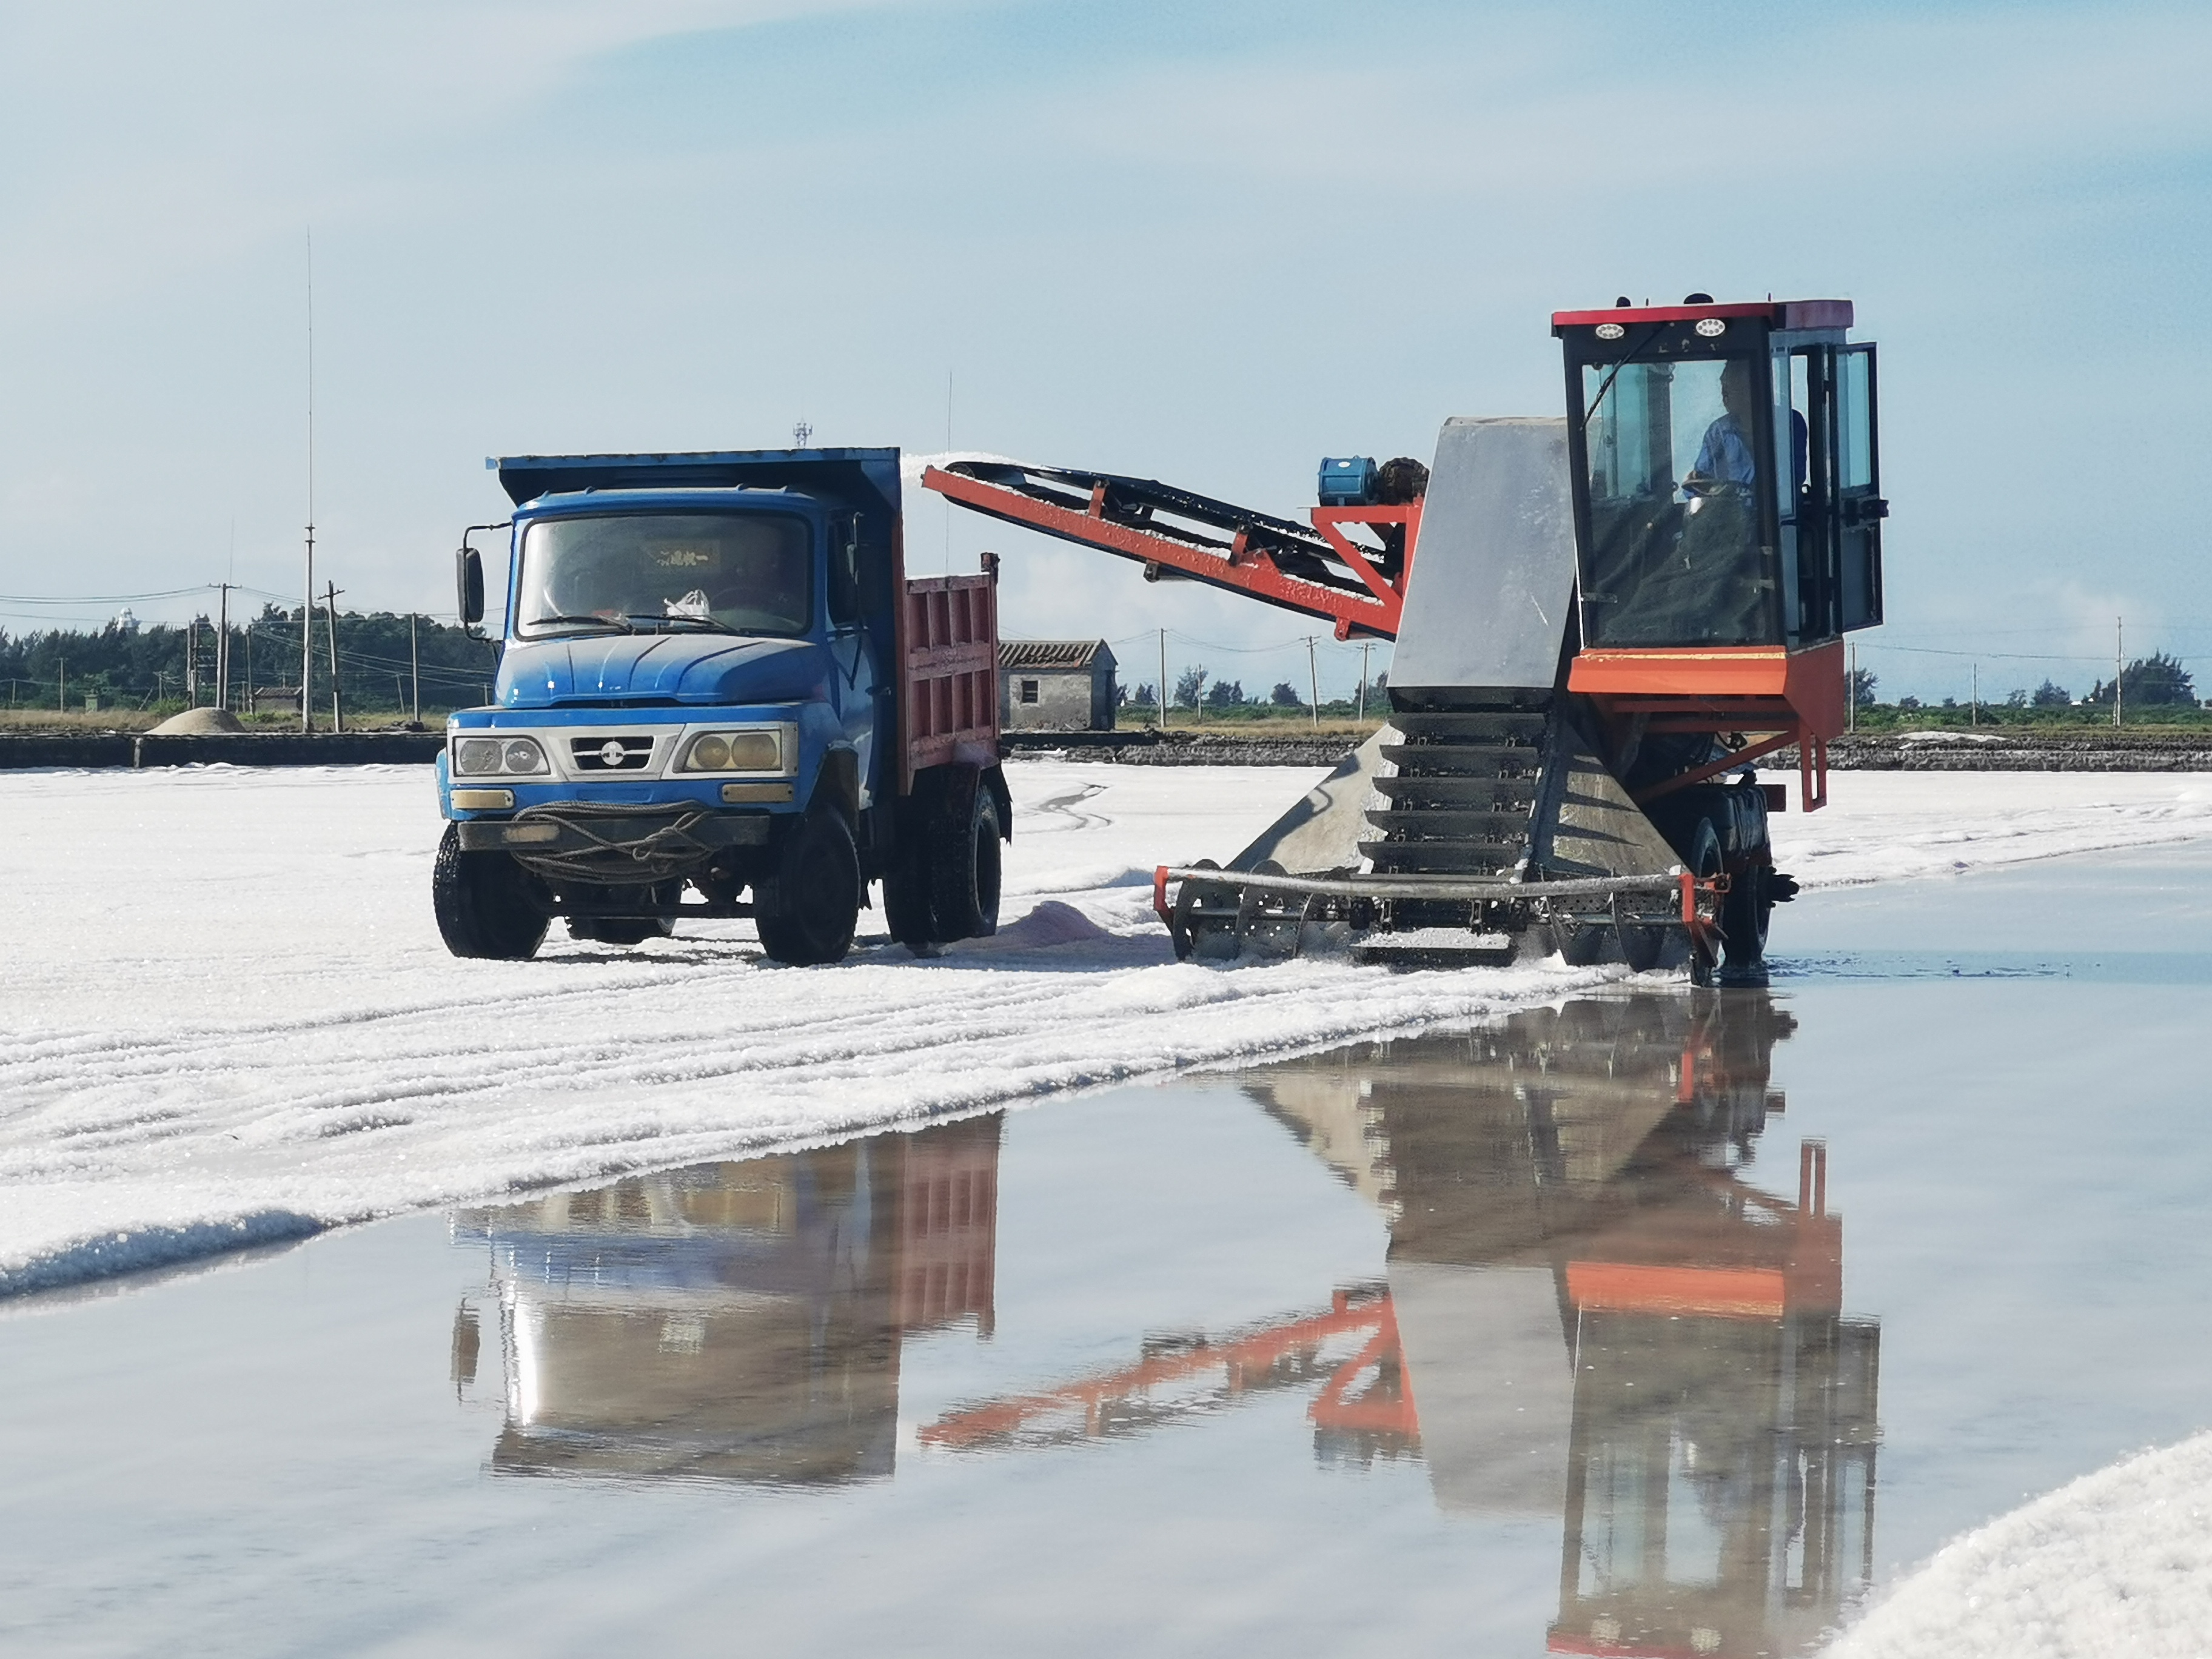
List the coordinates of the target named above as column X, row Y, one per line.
column 719, row 695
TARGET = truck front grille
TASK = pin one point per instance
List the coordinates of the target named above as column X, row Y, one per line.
column 625, row 753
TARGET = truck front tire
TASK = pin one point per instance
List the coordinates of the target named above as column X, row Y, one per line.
column 483, row 903
column 806, row 909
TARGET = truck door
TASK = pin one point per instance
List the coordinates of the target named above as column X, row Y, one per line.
column 1860, row 508
column 855, row 691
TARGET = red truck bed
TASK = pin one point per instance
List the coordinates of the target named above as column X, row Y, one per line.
column 949, row 650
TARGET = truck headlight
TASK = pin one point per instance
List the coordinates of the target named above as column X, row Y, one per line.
column 733, row 751
column 484, row 758
column 523, row 754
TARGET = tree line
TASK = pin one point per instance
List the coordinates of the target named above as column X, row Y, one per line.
column 2158, row 681
column 127, row 666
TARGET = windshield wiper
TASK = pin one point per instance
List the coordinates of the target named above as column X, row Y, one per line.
column 1634, row 352
column 680, row 619
column 580, row 621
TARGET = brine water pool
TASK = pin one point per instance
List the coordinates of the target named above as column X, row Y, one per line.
column 1650, row 1322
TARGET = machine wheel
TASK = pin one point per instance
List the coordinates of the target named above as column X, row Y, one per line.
column 483, row 903
column 1641, row 947
column 1743, row 927
column 1705, row 860
column 1579, row 944
column 806, row 909
column 963, row 860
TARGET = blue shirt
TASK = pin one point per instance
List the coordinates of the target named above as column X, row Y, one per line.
column 1725, row 456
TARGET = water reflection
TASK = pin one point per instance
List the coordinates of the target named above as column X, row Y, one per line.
column 1599, row 1316
column 734, row 1320
column 1587, row 1311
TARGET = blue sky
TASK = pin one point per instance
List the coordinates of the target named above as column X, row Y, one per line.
column 1208, row 244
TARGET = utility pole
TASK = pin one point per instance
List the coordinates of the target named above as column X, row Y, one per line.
column 1974, row 697
column 223, row 650
column 1363, row 648
column 415, row 669
column 2119, row 655
column 192, row 663
column 248, row 631
column 1164, row 679
column 331, row 626
column 1199, row 702
column 1313, row 681
column 307, row 610
column 308, row 639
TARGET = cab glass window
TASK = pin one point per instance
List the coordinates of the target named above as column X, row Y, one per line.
column 1854, row 421
column 727, row 573
column 1676, row 475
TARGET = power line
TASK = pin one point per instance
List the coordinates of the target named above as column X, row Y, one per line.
column 109, row 599
column 2012, row 656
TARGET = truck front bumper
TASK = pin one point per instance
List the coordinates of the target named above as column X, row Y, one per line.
column 603, row 843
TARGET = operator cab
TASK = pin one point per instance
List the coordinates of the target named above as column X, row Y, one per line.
column 1726, row 487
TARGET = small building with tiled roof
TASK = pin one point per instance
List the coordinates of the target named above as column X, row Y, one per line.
column 1057, row 686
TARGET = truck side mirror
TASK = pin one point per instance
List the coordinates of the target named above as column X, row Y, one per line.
column 467, row 582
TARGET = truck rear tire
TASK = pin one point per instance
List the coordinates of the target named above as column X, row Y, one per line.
column 806, row 907
column 907, row 911
column 483, row 903
column 963, row 860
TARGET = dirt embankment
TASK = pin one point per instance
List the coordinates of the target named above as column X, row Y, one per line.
column 1947, row 751
column 142, row 749
column 2147, row 750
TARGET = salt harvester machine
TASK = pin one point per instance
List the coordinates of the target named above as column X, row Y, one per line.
column 1601, row 622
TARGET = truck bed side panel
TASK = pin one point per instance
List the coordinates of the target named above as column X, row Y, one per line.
column 948, row 641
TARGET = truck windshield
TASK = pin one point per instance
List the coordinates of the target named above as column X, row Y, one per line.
column 738, row 572
column 1675, row 556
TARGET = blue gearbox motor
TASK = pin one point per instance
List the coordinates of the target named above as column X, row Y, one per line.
column 1347, row 480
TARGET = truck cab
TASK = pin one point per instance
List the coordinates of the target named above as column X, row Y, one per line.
column 719, row 695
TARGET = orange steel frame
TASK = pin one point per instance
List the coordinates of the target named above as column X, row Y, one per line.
column 1770, row 695
column 1245, row 566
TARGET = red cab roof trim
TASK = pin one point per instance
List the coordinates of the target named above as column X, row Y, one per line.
column 1782, row 314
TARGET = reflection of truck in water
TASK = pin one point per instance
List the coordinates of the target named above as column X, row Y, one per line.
column 739, row 1321
column 717, row 678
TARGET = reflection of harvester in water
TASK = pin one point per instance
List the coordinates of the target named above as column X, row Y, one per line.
column 1588, row 1314
column 1599, row 622
column 1180, row 1377
column 740, row 1321
column 1599, row 1318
